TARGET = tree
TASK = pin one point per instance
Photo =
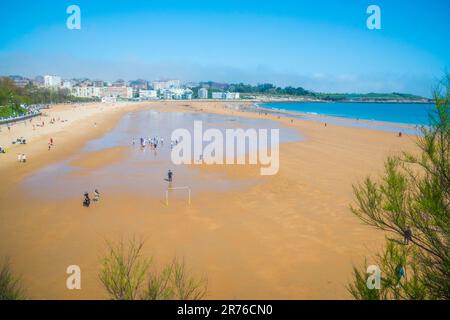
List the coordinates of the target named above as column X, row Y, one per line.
column 10, row 287
column 126, row 275
column 411, row 204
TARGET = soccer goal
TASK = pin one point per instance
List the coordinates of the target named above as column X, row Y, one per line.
column 178, row 189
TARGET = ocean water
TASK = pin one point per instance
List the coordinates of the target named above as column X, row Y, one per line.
column 143, row 170
column 398, row 113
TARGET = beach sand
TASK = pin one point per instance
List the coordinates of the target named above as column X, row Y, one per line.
column 288, row 236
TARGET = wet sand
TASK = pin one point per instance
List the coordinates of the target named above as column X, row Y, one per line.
column 289, row 236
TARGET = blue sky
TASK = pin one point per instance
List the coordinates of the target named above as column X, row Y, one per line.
column 322, row 45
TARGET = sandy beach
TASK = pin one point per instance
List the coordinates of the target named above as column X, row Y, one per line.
column 287, row 236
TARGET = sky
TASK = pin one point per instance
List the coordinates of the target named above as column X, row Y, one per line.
column 321, row 45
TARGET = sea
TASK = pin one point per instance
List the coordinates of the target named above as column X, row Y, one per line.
column 406, row 117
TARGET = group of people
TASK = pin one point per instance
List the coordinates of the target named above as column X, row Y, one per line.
column 87, row 199
column 21, row 157
column 20, row 140
column 152, row 142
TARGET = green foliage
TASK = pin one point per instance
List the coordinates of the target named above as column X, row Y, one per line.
column 412, row 204
column 13, row 96
column 125, row 272
column 175, row 282
column 10, row 288
column 360, row 97
column 8, row 111
column 270, row 89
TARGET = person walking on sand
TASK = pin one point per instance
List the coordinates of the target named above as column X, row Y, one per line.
column 96, row 195
column 19, row 157
column 87, row 200
column 169, row 175
column 24, row 158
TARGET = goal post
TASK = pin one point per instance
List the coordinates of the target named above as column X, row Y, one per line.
column 175, row 189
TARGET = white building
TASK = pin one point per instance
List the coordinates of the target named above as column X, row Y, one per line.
column 52, row 81
column 87, row 92
column 109, row 99
column 203, row 93
column 67, row 84
column 148, row 94
column 232, row 95
column 187, row 94
column 225, row 95
column 167, row 95
column 217, row 95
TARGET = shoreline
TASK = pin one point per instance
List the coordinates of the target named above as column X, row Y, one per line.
column 317, row 116
column 298, row 218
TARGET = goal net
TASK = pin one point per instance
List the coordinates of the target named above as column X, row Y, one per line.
column 185, row 190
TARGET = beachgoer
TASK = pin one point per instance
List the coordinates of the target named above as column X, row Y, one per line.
column 19, row 157
column 400, row 273
column 24, row 158
column 96, row 195
column 169, row 175
column 407, row 235
column 87, row 200
column 400, row 134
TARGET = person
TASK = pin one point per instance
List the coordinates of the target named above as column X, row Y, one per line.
column 400, row 273
column 169, row 175
column 408, row 235
column 19, row 157
column 2, row 150
column 96, row 195
column 24, row 157
column 400, row 134
column 87, row 200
